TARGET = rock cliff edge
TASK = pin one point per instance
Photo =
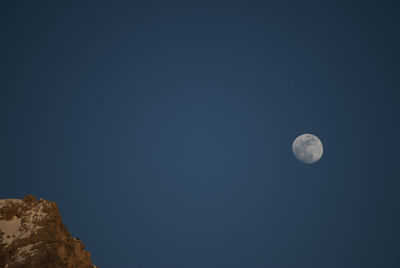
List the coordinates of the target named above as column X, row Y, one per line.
column 32, row 235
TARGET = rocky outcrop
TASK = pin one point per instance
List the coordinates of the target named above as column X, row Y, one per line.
column 32, row 235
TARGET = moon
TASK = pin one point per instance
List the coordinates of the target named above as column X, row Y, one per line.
column 307, row 148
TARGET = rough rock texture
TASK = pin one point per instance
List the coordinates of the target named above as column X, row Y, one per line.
column 32, row 235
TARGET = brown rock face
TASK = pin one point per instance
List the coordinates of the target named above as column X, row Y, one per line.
column 32, row 235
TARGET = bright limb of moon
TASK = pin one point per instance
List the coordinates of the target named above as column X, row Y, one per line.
column 307, row 148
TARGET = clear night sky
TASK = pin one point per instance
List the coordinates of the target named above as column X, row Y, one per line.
column 163, row 130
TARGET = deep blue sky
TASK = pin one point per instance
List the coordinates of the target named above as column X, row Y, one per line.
column 163, row 130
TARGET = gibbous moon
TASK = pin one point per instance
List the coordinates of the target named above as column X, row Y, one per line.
column 307, row 148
